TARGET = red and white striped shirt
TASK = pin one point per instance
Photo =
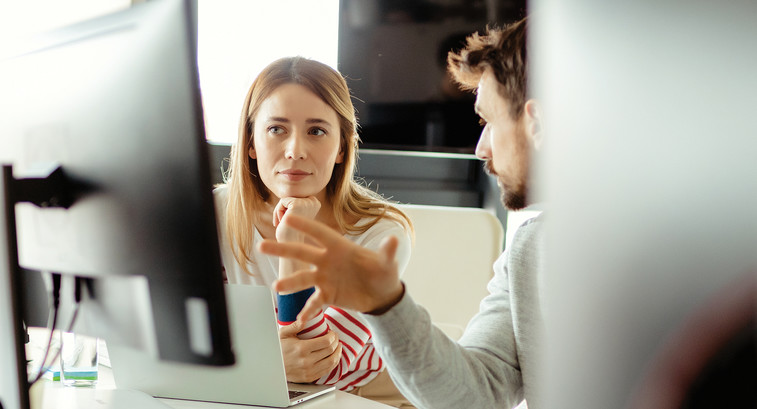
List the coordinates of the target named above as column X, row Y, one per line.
column 360, row 362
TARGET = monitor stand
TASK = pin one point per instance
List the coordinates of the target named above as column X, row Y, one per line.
column 14, row 386
column 48, row 188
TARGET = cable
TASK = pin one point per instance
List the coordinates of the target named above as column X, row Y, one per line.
column 55, row 308
column 56, row 302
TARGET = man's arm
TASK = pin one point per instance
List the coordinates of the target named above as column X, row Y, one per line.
column 432, row 371
column 481, row 371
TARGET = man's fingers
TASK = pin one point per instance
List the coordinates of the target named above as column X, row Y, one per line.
column 312, row 307
column 388, row 248
column 296, row 282
column 313, row 229
column 298, row 251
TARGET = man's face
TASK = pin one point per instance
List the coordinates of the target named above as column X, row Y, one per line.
column 504, row 143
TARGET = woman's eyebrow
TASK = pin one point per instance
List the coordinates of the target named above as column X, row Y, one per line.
column 278, row 119
column 317, row 121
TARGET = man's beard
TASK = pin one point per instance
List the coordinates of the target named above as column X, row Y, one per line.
column 512, row 197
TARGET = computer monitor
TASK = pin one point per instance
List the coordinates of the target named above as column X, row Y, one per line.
column 115, row 103
column 648, row 178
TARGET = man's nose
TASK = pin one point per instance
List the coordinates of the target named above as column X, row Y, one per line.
column 483, row 147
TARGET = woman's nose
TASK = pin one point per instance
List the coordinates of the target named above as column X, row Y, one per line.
column 295, row 148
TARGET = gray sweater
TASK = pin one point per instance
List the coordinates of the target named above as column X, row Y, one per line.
column 493, row 365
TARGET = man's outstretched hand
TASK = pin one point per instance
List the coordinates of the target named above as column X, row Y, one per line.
column 343, row 274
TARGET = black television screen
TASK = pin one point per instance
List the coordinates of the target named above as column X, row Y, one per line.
column 393, row 54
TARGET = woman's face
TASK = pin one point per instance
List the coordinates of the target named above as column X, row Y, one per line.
column 296, row 143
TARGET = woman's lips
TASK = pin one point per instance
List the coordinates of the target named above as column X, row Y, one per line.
column 294, row 174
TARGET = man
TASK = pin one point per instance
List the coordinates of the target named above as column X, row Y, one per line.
column 494, row 363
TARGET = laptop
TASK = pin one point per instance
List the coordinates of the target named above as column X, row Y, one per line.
column 257, row 378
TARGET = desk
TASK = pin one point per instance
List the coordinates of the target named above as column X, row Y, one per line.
column 48, row 395
column 335, row 400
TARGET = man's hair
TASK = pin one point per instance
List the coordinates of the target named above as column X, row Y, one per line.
column 504, row 51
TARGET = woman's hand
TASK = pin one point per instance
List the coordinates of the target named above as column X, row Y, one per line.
column 302, row 206
column 307, row 360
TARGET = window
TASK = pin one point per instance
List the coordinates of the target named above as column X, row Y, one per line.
column 236, row 39
column 21, row 18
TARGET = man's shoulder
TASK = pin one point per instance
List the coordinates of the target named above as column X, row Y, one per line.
column 528, row 236
column 532, row 226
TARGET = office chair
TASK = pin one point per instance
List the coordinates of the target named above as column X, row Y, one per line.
column 451, row 262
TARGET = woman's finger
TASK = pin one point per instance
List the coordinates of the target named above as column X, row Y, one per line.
column 290, row 330
column 278, row 211
column 324, row 346
column 327, row 364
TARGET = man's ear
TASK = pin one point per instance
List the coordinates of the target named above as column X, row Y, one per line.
column 532, row 112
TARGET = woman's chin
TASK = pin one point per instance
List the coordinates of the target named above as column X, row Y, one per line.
column 301, row 194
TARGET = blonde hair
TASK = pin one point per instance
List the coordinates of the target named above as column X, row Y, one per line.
column 247, row 193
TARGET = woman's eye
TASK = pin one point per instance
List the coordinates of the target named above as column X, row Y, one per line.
column 276, row 130
column 482, row 121
column 317, row 132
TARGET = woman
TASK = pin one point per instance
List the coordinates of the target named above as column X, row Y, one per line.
column 296, row 153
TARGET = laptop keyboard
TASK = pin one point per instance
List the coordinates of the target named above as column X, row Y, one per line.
column 294, row 394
